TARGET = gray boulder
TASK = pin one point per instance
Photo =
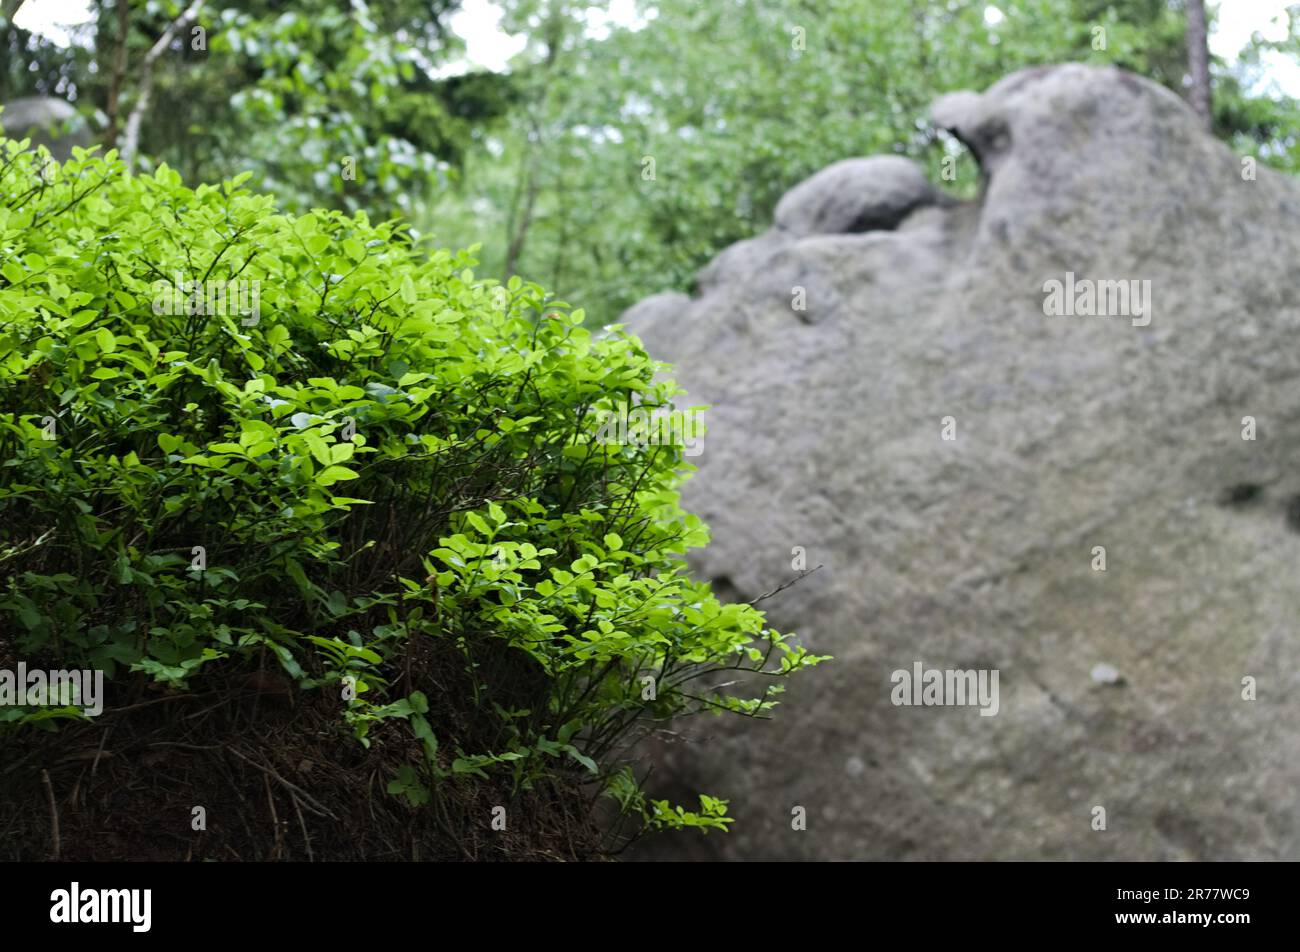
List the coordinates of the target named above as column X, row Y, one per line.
column 855, row 195
column 1120, row 689
column 52, row 123
column 665, row 306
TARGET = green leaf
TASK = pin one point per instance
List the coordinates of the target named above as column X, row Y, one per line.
column 334, row 474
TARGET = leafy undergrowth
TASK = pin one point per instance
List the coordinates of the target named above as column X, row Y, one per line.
column 332, row 516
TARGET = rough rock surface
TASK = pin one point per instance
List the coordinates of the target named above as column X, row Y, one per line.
column 1120, row 688
column 48, row 122
column 855, row 195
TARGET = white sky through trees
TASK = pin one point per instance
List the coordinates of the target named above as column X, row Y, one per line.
column 488, row 47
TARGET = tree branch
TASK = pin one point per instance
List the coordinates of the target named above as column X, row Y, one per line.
column 131, row 139
column 9, row 9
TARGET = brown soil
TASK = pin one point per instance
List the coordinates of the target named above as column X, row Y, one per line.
column 279, row 776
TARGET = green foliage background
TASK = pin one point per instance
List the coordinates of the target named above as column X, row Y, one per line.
column 543, row 165
column 734, row 115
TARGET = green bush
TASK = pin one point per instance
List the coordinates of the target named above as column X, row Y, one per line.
column 364, row 461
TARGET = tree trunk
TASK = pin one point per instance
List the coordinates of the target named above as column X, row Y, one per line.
column 1198, row 60
column 119, row 74
column 554, row 33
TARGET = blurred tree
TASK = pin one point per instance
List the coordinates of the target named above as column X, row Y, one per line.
column 1198, row 59
column 612, row 161
column 327, row 102
column 634, row 155
column 33, row 65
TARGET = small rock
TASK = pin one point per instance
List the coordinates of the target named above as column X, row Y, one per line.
column 1106, row 674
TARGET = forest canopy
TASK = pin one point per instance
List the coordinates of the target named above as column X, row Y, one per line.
column 614, row 155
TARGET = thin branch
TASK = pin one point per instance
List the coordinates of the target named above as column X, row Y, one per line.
column 54, row 814
column 311, row 801
column 131, row 139
column 782, row 588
